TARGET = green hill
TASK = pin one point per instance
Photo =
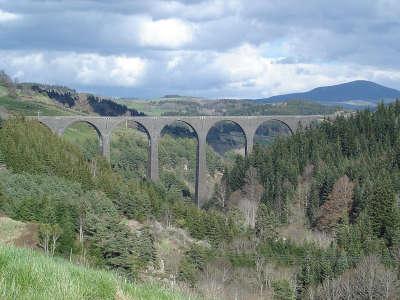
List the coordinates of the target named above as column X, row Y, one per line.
column 27, row 274
column 189, row 106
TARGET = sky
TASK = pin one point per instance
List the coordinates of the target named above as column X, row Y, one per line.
column 211, row 48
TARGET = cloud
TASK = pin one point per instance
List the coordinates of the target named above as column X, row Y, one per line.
column 7, row 16
column 246, row 71
column 165, row 33
column 252, row 73
column 73, row 68
column 212, row 47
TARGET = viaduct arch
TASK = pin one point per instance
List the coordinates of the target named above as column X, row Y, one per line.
column 154, row 125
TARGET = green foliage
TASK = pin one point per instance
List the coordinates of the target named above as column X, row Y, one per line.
column 30, row 108
column 48, row 236
column 30, row 147
column 365, row 147
column 26, row 274
column 283, row 290
column 266, row 223
column 360, row 146
column 382, row 210
column 175, row 105
column 129, row 152
column 47, row 193
column 85, row 137
column 194, row 262
column 214, row 226
column 236, row 175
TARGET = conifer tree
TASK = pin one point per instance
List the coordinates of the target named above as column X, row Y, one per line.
column 382, row 209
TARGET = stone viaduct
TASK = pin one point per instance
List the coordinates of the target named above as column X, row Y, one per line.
column 154, row 125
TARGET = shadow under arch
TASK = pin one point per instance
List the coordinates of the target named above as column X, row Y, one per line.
column 183, row 122
column 178, row 151
column 127, row 121
column 219, row 128
column 283, row 123
column 79, row 133
column 130, row 149
column 267, row 131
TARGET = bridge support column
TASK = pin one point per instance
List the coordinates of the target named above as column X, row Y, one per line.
column 59, row 132
column 249, row 133
column 152, row 171
column 105, row 146
column 249, row 143
column 201, row 171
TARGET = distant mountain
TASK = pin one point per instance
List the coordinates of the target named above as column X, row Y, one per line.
column 355, row 93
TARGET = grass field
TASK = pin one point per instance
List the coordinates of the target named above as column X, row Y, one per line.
column 26, row 274
column 31, row 108
column 31, row 104
column 143, row 106
column 3, row 91
column 28, row 108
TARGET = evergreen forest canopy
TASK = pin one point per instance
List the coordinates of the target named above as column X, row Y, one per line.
column 354, row 169
column 344, row 175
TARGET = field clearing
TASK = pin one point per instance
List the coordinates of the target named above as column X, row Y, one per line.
column 146, row 107
column 31, row 108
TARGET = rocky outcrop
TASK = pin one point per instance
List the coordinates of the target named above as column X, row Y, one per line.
column 84, row 102
column 60, row 94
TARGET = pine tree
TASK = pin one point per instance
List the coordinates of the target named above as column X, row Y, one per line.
column 265, row 223
column 2, row 159
column 341, row 263
column 305, row 276
column 382, row 209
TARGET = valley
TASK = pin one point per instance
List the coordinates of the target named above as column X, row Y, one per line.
column 296, row 218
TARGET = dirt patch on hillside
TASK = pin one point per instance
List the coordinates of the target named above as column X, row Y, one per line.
column 29, row 237
column 18, row 233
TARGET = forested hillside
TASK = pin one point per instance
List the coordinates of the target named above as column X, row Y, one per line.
column 89, row 213
column 304, row 217
column 345, row 177
column 189, row 106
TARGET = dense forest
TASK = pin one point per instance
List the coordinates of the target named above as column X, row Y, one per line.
column 349, row 173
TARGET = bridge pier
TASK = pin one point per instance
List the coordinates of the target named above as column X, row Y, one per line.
column 153, row 169
column 201, row 171
column 105, row 146
column 249, row 138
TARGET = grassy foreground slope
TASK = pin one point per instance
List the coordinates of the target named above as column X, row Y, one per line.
column 26, row 274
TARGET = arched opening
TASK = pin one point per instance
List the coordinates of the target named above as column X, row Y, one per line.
column 130, row 149
column 268, row 131
column 86, row 136
column 177, row 152
column 225, row 141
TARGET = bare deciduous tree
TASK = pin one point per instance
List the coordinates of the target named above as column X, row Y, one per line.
column 369, row 280
column 337, row 205
column 248, row 198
